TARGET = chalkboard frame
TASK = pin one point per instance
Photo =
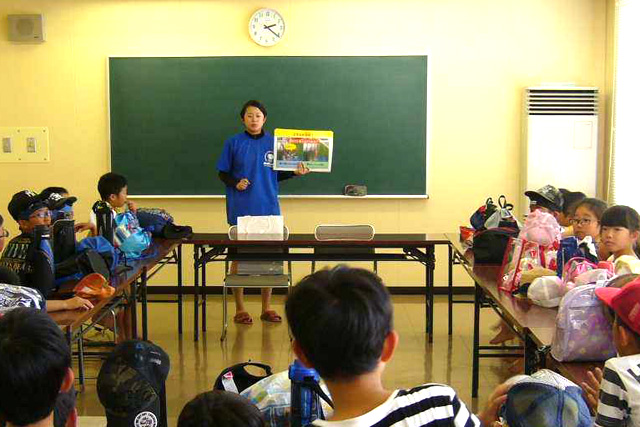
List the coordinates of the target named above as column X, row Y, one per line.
column 426, row 55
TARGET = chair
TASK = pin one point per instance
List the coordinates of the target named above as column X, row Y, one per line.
column 347, row 233
column 254, row 274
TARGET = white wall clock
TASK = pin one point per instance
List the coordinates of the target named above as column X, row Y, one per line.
column 266, row 27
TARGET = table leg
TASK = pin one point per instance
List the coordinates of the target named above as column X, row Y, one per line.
column 530, row 354
column 180, row 295
column 196, row 291
column 133, row 300
column 476, row 340
column 81, row 358
column 450, row 289
column 203, row 289
column 430, row 250
column 145, row 307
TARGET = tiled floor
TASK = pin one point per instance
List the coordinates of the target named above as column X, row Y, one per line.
column 194, row 366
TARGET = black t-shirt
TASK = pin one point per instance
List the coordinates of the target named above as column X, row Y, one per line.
column 33, row 265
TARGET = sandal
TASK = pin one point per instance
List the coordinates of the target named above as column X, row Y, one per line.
column 271, row 316
column 243, row 318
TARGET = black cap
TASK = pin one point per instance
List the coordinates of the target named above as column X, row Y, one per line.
column 131, row 385
column 24, row 203
column 547, row 196
column 55, row 201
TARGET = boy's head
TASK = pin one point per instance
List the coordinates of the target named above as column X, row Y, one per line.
column 59, row 202
column 342, row 322
column 254, row 116
column 625, row 302
column 220, row 408
column 547, row 198
column 131, row 385
column 570, row 200
column 113, row 189
column 29, row 210
column 35, row 366
column 620, row 226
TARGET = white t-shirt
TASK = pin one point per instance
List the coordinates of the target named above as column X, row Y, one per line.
column 425, row 405
column 619, row 400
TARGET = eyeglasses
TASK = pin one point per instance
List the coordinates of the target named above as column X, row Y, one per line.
column 584, row 221
column 41, row 215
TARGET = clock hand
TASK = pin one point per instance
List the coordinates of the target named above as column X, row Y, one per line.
column 269, row 28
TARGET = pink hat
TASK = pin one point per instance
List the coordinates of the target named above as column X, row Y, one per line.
column 625, row 302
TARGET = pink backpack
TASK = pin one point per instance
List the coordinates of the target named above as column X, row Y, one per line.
column 583, row 333
column 573, row 268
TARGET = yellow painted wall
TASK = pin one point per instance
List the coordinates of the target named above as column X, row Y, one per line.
column 482, row 55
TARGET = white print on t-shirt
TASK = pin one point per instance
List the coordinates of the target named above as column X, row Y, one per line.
column 268, row 159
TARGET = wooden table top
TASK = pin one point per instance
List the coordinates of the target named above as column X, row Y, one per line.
column 307, row 240
column 73, row 319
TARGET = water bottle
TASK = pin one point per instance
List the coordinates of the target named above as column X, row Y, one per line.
column 305, row 402
column 104, row 220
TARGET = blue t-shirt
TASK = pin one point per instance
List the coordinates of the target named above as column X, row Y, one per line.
column 251, row 158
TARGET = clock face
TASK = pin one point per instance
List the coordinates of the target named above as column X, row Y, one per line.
column 266, row 27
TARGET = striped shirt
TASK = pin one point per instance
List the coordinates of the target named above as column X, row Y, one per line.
column 619, row 400
column 425, row 405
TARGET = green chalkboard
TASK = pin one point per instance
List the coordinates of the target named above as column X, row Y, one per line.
column 170, row 117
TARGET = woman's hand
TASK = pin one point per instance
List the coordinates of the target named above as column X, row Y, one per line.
column 302, row 169
column 242, row 184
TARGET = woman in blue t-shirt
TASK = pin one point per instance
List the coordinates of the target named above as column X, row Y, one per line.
column 246, row 168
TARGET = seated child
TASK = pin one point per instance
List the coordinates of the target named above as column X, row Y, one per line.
column 113, row 190
column 570, row 200
column 219, row 408
column 586, row 222
column 35, row 368
column 341, row 321
column 620, row 227
column 547, row 198
column 29, row 255
column 618, row 394
column 60, row 203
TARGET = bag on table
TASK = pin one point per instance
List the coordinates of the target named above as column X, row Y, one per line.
column 572, row 269
column 129, row 237
column 481, row 215
column 502, row 216
column 490, row 245
column 542, row 228
column 268, row 227
column 519, row 257
column 583, row 333
column 161, row 224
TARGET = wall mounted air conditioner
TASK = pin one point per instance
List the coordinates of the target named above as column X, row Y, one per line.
column 560, row 139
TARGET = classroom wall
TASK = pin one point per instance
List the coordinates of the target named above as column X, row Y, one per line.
column 482, row 55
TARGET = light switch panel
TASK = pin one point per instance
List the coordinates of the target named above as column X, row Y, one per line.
column 6, row 144
column 31, row 145
column 24, row 145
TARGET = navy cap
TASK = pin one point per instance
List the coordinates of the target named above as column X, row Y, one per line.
column 131, row 385
column 548, row 196
column 25, row 203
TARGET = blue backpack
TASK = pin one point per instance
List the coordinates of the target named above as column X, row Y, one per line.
column 160, row 224
column 102, row 246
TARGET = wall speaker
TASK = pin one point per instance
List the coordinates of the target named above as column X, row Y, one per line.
column 26, row 28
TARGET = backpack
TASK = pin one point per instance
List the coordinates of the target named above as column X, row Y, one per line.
column 481, row 215
column 129, row 237
column 236, row 379
column 490, row 245
column 583, row 333
column 12, row 296
column 100, row 245
column 160, row 224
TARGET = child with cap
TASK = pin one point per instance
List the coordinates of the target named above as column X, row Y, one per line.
column 218, row 408
column 60, row 203
column 131, row 385
column 35, row 369
column 544, row 399
column 618, row 392
column 548, row 198
column 29, row 255
column 341, row 321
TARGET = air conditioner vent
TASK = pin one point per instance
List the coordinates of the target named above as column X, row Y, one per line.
column 557, row 102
